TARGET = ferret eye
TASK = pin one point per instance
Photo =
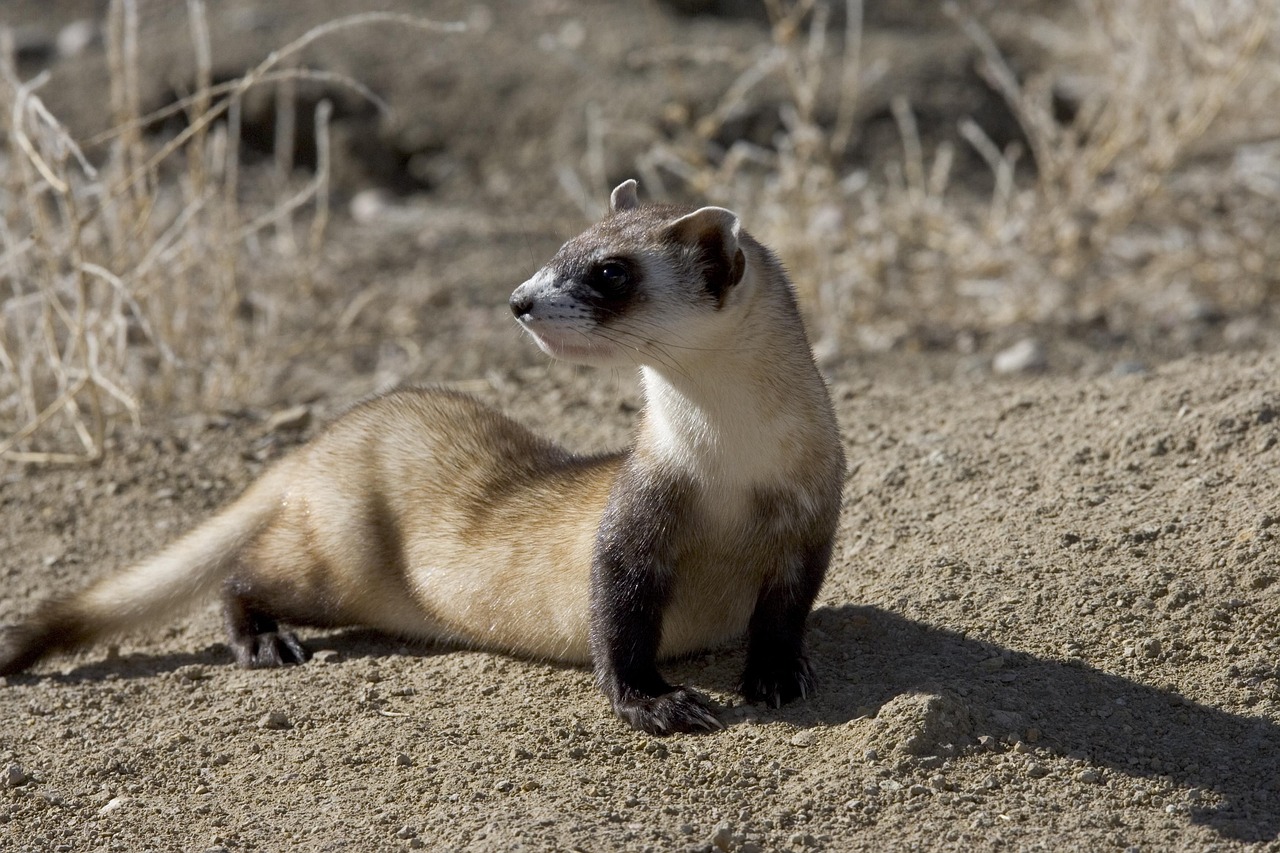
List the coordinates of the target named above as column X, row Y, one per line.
column 611, row 278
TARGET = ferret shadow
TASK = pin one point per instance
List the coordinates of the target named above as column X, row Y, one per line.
column 866, row 657
column 129, row 666
column 348, row 643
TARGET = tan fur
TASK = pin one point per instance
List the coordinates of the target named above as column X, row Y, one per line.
column 191, row 567
column 426, row 514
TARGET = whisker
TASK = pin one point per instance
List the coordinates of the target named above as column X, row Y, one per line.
column 650, row 349
column 665, row 346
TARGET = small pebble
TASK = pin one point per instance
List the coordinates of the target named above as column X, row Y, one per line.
column 194, row 672
column 1037, row 771
column 403, row 760
column 112, row 804
column 274, row 720
column 371, row 204
column 1026, row 356
column 75, row 37
column 803, row 738
column 1089, row 775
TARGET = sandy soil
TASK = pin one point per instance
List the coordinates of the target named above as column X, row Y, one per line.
column 1052, row 615
column 1052, row 620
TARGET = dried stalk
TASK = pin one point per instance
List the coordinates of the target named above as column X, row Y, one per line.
column 117, row 291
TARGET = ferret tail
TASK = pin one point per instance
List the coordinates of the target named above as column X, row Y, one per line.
column 147, row 591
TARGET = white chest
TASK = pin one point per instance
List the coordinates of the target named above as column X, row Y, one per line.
column 726, row 437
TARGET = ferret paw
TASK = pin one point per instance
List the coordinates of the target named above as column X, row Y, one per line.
column 680, row 710
column 776, row 683
column 270, row 648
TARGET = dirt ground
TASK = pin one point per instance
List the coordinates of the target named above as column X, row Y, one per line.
column 1052, row 620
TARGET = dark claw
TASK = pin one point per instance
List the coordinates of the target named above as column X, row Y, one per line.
column 298, row 653
column 778, row 684
column 270, row 649
column 680, row 710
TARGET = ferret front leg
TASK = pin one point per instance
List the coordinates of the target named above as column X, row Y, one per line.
column 777, row 668
column 631, row 582
column 625, row 632
column 254, row 635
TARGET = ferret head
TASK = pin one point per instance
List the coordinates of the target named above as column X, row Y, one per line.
column 648, row 285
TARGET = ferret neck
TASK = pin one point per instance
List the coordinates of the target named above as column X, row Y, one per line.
column 731, row 419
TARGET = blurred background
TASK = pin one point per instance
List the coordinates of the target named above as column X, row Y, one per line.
column 256, row 204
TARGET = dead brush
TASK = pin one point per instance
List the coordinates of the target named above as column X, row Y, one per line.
column 879, row 255
column 121, row 284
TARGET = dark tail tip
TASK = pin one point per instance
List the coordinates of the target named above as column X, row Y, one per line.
column 53, row 627
column 20, row 647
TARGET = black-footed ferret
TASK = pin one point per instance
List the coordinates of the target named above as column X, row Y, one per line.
column 425, row 514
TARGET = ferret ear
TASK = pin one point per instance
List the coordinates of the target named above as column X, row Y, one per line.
column 624, row 196
column 712, row 232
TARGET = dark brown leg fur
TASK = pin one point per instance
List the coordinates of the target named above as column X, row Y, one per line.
column 629, row 592
column 777, row 670
column 255, row 636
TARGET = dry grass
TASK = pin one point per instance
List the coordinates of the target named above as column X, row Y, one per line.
column 874, row 254
column 122, row 279
column 121, row 283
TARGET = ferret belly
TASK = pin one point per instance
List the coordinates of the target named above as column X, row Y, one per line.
column 522, row 594
column 717, row 585
column 434, row 531
column 529, row 597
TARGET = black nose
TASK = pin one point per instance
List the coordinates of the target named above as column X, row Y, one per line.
column 521, row 304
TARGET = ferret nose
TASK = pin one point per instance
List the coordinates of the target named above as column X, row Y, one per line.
column 521, row 303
